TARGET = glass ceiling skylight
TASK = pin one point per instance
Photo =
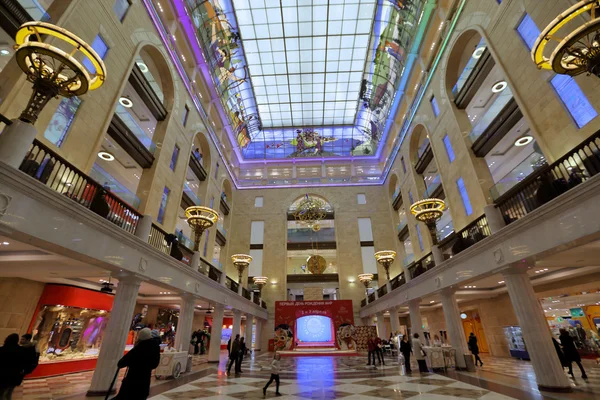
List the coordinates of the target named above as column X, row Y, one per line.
column 306, row 58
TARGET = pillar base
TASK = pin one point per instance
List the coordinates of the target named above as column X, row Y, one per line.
column 99, row 393
column 213, row 362
column 557, row 389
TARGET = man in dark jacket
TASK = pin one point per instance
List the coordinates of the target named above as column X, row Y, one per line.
column 141, row 360
column 33, row 356
column 13, row 362
column 234, row 355
column 571, row 353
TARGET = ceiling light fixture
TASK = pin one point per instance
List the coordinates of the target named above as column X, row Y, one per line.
column 524, row 141
column 499, row 86
column 143, row 67
column 106, row 156
column 125, row 102
column 478, row 52
column 4, row 52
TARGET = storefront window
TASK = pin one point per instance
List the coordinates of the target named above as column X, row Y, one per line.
column 69, row 333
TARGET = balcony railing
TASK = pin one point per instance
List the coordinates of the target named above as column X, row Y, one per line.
column 397, row 199
column 263, row 304
column 210, row 270
column 549, row 182
column 398, row 281
column 197, row 168
column 61, row 176
column 157, row 239
column 408, row 259
column 245, row 293
column 224, row 206
column 421, row 266
column 503, row 100
column 363, row 302
column 424, row 159
column 256, row 299
column 232, row 285
column 382, row 291
column 403, row 223
column 433, row 187
column 473, row 233
column 372, row 297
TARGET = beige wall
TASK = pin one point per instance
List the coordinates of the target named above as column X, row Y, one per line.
column 18, row 300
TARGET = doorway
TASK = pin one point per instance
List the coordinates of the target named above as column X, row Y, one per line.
column 472, row 323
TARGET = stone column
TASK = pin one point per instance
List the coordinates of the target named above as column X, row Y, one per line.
column 416, row 322
column 381, row 326
column 248, row 332
column 454, row 327
column 536, row 333
column 214, row 351
column 258, row 334
column 438, row 257
column 224, row 278
column 15, row 142
column 195, row 263
column 186, row 319
column 394, row 321
column 144, row 227
column 115, row 335
column 237, row 324
column 494, row 218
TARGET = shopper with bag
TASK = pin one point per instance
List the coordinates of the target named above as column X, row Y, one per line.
column 419, row 353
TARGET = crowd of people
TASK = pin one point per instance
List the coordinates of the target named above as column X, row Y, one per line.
column 18, row 357
column 236, row 351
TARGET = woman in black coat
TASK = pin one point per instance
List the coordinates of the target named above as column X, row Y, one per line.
column 570, row 352
column 141, row 360
column 474, row 347
column 406, row 350
column 13, row 361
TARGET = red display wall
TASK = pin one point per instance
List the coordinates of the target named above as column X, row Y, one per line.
column 340, row 312
column 69, row 296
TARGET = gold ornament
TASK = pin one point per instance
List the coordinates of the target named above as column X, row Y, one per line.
column 310, row 211
column 316, row 264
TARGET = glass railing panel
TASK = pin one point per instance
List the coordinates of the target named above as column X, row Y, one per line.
column 466, row 72
column 135, row 128
column 401, row 225
column 150, row 79
column 501, row 101
column 221, row 228
column 432, row 185
column 422, row 148
column 105, row 179
column 310, row 236
column 533, row 162
column 191, row 194
column 408, row 259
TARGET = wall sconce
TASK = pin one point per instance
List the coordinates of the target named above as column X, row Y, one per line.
column 351, row 280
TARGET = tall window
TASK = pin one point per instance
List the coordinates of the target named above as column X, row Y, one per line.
column 464, row 195
column 449, row 150
column 100, row 46
column 420, row 237
column 528, row 31
column 434, row 106
column 186, row 114
column 174, row 157
column 572, row 97
column 163, row 205
column 121, row 7
column 61, row 121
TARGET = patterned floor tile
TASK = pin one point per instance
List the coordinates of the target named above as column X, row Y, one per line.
column 386, row 393
column 413, row 387
column 459, row 392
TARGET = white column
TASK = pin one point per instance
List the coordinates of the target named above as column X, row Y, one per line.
column 240, row 286
column 416, row 322
column 224, row 277
column 494, row 218
column 454, row 327
column 258, row 334
column 248, row 332
column 381, row 326
column 214, row 350
column 186, row 319
column 195, row 263
column 144, row 227
column 375, row 293
column 115, row 336
column 536, row 333
column 394, row 321
column 237, row 324
column 438, row 257
column 15, row 142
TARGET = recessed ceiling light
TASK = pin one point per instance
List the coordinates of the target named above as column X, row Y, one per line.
column 499, row 86
column 106, row 156
column 4, row 52
column 463, row 316
column 125, row 102
column 143, row 67
column 5, row 243
column 524, row 141
column 478, row 52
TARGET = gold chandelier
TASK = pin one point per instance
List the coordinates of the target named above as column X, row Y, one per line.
column 200, row 219
column 385, row 258
column 429, row 211
column 241, row 262
column 260, row 282
column 310, row 211
column 577, row 49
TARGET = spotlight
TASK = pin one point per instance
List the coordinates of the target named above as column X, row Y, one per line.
column 478, row 52
column 106, row 156
column 143, row 67
column 125, row 102
column 499, row 86
column 524, row 141
column 4, row 52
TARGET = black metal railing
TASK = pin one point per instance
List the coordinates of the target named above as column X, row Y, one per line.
column 372, row 297
column 210, row 270
column 363, row 302
column 232, row 285
column 245, row 293
column 422, row 265
column 473, row 233
column 547, row 183
column 157, row 239
column 61, row 176
column 256, row 299
column 263, row 304
column 398, row 281
column 382, row 291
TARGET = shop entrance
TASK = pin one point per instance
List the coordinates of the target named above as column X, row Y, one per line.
column 472, row 323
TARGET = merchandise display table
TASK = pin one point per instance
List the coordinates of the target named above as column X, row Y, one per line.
column 440, row 357
column 172, row 364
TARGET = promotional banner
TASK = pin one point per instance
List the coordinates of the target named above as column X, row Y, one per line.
column 317, row 321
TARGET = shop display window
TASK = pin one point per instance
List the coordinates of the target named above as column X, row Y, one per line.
column 69, row 333
column 516, row 344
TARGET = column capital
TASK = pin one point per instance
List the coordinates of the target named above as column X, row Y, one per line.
column 237, row 312
column 519, row 268
column 416, row 301
column 448, row 291
column 128, row 278
column 188, row 297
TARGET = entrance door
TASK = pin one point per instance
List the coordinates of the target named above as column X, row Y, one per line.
column 473, row 324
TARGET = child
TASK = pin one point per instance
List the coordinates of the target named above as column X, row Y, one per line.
column 274, row 375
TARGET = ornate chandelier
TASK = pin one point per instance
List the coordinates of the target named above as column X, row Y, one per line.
column 429, row 211
column 578, row 48
column 200, row 219
column 310, row 211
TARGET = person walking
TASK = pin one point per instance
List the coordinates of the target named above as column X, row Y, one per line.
column 472, row 343
column 406, row 350
column 571, row 353
column 13, row 363
column 371, row 349
column 234, row 355
column 140, row 361
column 33, row 356
column 559, row 353
column 419, row 353
column 243, row 350
column 275, row 367
column 379, row 350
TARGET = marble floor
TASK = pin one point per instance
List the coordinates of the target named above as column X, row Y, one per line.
column 334, row 377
